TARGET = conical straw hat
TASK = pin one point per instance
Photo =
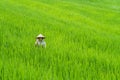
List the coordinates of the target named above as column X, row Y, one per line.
column 40, row 36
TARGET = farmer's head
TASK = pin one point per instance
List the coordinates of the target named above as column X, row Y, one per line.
column 40, row 37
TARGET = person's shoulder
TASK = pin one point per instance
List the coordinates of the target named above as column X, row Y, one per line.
column 43, row 41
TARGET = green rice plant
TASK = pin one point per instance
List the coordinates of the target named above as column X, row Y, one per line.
column 82, row 36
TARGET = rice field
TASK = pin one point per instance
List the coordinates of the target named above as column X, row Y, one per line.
column 82, row 36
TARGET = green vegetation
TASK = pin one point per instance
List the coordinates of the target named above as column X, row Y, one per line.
column 82, row 36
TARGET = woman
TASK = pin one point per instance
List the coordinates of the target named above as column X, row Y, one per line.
column 40, row 41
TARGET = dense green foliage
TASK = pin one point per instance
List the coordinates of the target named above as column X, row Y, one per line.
column 82, row 36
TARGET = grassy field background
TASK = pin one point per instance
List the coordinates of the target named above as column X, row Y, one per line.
column 82, row 36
